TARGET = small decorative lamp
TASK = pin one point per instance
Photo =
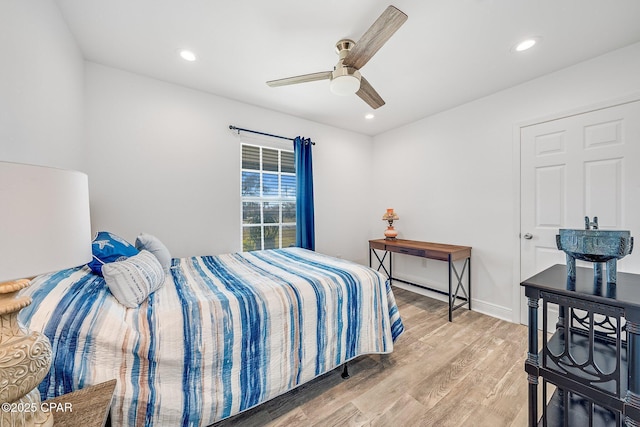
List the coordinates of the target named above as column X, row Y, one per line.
column 390, row 233
column 44, row 227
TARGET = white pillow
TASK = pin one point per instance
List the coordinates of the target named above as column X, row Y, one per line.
column 132, row 280
column 156, row 247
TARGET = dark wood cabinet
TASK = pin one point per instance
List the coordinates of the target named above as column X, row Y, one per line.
column 592, row 357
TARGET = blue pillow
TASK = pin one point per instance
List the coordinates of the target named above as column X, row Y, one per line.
column 106, row 248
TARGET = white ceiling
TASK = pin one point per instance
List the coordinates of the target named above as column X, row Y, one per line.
column 447, row 53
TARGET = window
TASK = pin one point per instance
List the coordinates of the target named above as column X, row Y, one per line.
column 268, row 198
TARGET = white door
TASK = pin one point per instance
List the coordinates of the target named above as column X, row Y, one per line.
column 582, row 165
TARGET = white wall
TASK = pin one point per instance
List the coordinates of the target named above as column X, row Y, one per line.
column 453, row 173
column 41, row 87
column 163, row 160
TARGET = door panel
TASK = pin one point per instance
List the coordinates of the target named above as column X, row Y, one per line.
column 550, row 196
column 603, row 191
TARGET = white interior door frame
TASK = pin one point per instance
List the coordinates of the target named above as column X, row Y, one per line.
column 517, row 174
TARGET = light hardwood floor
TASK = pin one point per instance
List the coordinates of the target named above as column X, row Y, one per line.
column 469, row 372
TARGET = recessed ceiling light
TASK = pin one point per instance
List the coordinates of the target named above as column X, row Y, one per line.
column 526, row 44
column 187, row 55
column 369, row 116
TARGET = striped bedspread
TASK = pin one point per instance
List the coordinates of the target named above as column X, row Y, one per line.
column 223, row 334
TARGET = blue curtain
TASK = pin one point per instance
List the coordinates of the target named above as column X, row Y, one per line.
column 305, row 226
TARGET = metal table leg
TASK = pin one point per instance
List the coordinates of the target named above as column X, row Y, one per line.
column 450, row 300
column 453, row 295
column 381, row 261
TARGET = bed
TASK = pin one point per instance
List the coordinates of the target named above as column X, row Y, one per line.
column 220, row 336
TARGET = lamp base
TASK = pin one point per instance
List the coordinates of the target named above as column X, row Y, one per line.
column 25, row 358
column 390, row 233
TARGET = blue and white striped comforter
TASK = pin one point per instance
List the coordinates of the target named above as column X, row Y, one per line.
column 222, row 335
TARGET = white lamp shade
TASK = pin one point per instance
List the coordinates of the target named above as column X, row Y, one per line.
column 44, row 220
column 344, row 85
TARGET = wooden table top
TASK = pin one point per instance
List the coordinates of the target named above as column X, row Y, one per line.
column 431, row 250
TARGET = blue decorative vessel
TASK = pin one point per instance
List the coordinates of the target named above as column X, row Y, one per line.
column 596, row 246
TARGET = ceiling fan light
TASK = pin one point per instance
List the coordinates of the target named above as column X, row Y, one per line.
column 344, row 85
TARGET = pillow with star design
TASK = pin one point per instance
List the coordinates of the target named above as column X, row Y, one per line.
column 108, row 247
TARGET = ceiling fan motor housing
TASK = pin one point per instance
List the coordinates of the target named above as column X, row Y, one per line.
column 340, row 71
column 344, row 46
column 344, row 80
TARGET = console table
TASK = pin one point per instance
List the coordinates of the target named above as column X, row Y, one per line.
column 437, row 251
column 593, row 358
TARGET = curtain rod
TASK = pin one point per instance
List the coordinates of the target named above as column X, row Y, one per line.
column 265, row 134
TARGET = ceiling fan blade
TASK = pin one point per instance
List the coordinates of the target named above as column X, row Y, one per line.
column 369, row 95
column 375, row 37
column 325, row 75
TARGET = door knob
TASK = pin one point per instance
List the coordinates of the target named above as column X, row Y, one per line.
column 528, row 236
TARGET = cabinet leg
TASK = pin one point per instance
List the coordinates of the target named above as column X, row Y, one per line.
column 632, row 399
column 532, row 364
column 533, row 400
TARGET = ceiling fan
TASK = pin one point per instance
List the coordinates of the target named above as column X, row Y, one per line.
column 345, row 77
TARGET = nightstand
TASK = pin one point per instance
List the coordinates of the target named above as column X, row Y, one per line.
column 88, row 407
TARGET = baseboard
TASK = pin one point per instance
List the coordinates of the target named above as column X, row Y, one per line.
column 480, row 306
column 491, row 309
